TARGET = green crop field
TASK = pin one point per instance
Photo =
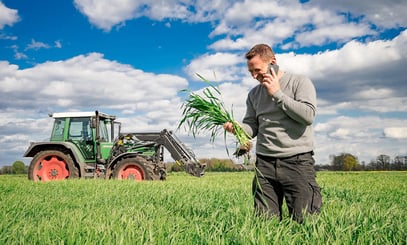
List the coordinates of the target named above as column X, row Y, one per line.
column 359, row 208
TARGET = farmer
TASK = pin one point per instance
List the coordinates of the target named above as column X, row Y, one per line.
column 280, row 111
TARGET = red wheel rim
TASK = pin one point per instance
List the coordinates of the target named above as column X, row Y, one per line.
column 52, row 168
column 132, row 173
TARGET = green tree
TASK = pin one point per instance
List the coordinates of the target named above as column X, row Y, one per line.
column 344, row 161
column 19, row 167
column 350, row 163
column 6, row 170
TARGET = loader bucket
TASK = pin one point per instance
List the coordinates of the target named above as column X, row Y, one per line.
column 195, row 168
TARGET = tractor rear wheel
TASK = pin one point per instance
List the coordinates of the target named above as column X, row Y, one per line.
column 137, row 169
column 52, row 165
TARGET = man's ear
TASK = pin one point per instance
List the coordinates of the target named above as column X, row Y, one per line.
column 274, row 60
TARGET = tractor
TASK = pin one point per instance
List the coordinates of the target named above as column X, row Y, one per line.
column 86, row 145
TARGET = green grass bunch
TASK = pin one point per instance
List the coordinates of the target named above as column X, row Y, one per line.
column 207, row 112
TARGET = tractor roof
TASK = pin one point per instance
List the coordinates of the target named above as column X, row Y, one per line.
column 80, row 114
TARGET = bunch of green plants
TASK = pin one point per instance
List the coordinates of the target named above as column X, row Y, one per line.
column 207, row 113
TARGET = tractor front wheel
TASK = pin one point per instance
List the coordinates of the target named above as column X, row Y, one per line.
column 136, row 169
column 51, row 165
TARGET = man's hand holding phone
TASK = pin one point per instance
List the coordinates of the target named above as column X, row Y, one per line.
column 270, row 79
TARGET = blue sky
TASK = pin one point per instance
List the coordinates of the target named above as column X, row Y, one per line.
column 132, row 57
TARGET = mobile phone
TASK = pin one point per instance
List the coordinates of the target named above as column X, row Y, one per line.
column 272, row 66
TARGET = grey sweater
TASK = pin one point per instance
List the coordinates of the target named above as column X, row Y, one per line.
column 282, row 122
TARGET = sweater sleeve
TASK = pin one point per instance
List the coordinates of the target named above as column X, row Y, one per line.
column 301, row 108
column 250, row 124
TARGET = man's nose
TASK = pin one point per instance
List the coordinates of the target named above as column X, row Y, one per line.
column 258, row 76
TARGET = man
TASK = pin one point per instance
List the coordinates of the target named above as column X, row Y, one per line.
column 280, row 112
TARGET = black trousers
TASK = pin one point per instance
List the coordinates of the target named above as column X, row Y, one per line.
column 292, row 179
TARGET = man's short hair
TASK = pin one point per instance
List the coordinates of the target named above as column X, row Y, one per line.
column 263, row 50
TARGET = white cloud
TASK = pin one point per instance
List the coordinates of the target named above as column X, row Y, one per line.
column 57, row 44
column 106, row 14
column 7, row 16
column 341, row 32
column 341, row 133
column 87, row 80
column 37, row 45
column 218, row 67
column 392, row 104
column 375, row 93
column 388, row 14
column 396, row 132
column 353, row 56
column 230, row 44
column 7, row 37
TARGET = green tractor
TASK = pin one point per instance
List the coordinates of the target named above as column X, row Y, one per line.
column 86, row 145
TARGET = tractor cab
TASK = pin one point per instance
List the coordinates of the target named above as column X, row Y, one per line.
column 91, row 132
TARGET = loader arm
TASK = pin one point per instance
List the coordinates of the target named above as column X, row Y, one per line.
column 179, row 152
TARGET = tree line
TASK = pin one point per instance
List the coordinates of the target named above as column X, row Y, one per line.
column 349, row 162
column 18, row 167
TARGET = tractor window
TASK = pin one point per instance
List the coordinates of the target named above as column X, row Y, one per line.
column 104, row 129
column 80, row 129
column 58, row 130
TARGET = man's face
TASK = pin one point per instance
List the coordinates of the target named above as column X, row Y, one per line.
column 257, row 67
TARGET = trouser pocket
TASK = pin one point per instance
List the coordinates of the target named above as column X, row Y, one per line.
column 316, row 199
